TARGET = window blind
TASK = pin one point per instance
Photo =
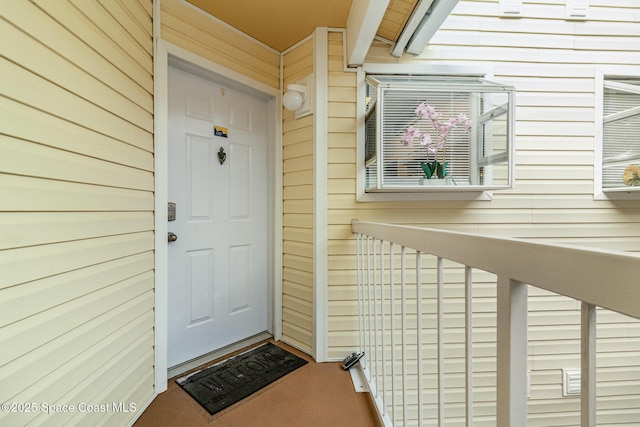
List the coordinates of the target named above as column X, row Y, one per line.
column 402, row 163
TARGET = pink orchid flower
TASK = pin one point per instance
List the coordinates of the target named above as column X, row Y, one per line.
column 426, row 111
column 409, row 135
column 442, row 128
column 464, row 120
column 425, row 139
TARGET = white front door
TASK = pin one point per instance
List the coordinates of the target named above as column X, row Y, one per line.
column 218, row 264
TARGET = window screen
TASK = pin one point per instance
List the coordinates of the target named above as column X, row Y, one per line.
column 621, row 130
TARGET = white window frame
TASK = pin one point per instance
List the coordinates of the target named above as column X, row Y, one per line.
column 441, row 193
column 600, row 193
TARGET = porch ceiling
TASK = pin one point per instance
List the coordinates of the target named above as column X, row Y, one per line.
column 270, row 21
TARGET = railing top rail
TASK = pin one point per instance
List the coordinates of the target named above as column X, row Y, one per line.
column 604, row 278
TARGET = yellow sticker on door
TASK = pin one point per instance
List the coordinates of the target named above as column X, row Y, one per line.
column 220, row 131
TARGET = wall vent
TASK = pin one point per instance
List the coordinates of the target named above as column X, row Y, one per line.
column 577, row 9
column 510, row 8
column 571, row 382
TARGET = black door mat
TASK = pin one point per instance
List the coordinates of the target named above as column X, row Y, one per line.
column 223, row 384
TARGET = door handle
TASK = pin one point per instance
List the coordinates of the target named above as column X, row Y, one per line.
column 172, row 237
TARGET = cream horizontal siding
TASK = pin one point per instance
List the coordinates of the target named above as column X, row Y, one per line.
column 195, row 31
column 70, row 137
column 552, row 63
column 76, row 217
column 298, row 202
column 341, row 155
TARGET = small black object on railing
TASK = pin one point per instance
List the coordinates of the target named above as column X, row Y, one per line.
column 351, row 360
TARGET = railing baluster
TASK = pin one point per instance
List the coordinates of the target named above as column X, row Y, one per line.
column 588, row 375
column 383, row 328
column 440, row 337
column 419, row 331
column 375, row 318
column 392, row 297
column 403, row 297
column 512, row 353
column 468, row 343
column 360, row 283
column 369, row 328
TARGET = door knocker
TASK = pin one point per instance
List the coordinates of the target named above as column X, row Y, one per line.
column 222, row 156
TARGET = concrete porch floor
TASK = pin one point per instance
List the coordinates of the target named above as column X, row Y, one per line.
column 317, row 394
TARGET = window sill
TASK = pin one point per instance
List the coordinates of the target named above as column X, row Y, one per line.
column 619, row 193
column 421, row 195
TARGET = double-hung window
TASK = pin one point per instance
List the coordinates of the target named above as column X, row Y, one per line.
column 438, row 133
column 621, row 135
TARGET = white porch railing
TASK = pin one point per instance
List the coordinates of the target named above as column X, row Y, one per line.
column 392, row 319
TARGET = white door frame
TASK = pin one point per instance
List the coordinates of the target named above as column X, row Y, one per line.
column 168, row 54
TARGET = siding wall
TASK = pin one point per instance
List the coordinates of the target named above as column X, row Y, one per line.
column 343, row 321
column 195, row 31
column 297, row 141
column 76, row 209
column 552, row 63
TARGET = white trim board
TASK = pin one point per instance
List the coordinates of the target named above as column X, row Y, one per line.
column 320, row 203
column 168, row 54
column 364, row 19
column 160, row 133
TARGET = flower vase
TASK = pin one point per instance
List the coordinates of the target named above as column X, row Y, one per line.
column 434, row 181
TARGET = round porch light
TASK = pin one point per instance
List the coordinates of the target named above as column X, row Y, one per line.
column 294, row 97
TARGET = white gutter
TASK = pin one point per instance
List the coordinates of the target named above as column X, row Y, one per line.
column 414, row 21
column 431, row 22
column 425, row 20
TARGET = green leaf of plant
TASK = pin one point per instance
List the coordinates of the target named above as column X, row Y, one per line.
column 444, row 169
column 426, row 168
